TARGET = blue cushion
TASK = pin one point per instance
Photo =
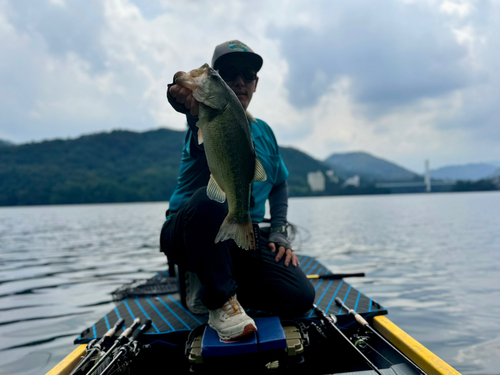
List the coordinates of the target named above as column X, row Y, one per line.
column 213, row 346
column 270, row 334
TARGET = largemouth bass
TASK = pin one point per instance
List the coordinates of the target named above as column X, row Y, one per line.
column 224, row 130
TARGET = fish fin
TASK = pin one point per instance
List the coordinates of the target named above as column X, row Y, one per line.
column 201, row 122
column 200, row 136
column 214, row 191
column 260, row 173
column 242, row 234
column 250, row 117
column 211, row 103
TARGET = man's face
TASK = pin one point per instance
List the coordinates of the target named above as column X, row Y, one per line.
column 242, row 79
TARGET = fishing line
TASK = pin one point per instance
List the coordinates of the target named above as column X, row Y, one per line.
column 296, row 231
column 380, row 354
column 331, row 321
column 104, row 364
column 362, row 322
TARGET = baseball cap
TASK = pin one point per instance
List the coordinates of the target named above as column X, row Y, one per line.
column 235, row 51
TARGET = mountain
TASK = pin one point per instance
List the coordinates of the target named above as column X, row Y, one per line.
column 368, row 167
column 470, row 172
column 4, row 143
column 299, row 165
column 496, row 173
column 119, row 166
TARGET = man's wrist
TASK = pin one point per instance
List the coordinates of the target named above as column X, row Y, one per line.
column 279, row 229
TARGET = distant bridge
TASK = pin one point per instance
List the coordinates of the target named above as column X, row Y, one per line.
column 416, row 186
column 411, row 184
column 426, row 183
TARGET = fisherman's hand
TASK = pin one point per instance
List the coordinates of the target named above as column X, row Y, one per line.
column 279, row 242
column 183, row 99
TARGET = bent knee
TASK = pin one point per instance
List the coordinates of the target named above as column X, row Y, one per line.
column 296, row 302
column 304, row 302
column 204, row 208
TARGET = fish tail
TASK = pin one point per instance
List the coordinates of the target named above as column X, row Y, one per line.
column 242, row 234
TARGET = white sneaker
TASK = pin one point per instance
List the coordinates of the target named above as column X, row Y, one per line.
column 193, row 300
column 230, row 321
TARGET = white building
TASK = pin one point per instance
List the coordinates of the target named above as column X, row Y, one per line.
column 352, row 181
column 316, row 181
column 331, row 176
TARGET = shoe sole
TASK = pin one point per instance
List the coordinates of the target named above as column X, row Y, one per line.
column 247, row 330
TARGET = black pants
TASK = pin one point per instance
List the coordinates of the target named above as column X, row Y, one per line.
column 225, row 269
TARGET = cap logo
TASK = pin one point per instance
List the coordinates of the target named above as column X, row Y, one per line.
column 238, row 46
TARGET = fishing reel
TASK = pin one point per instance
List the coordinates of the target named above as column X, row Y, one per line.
column 361, row 342
column 125, row 356
column 91, row 345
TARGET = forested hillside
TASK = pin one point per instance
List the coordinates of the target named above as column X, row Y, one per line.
column 120, row 166
column 4, row 143
column 468, row 172
column 371, row 169
column 299, row 165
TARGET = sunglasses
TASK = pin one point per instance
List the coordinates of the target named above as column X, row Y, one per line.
column 230, row 73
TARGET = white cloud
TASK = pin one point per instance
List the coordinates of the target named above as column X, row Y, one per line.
column 405, row 80
column 461, row 8
column 59, row 3
column 335, row 125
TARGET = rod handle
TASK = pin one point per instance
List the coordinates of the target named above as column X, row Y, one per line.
column 130, row 329
column 358, row 317
column 141, row 330
column 113, row 330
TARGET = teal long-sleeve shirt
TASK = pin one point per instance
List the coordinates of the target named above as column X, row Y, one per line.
column 194, row 173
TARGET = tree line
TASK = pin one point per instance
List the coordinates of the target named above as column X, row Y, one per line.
column 118, row 166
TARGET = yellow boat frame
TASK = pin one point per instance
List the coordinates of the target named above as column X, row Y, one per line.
column 430, row 363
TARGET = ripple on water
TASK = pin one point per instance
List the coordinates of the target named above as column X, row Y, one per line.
column 432, row 260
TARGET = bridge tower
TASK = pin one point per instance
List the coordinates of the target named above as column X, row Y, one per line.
column 427, row 178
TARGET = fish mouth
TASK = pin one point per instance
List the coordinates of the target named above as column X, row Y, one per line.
column 193, row 79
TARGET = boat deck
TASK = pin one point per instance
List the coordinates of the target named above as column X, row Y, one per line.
column 168, row 315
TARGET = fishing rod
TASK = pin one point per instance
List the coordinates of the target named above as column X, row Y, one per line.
column 119, row 341
column 332, row 321
column 96, row 346
column 335, row 276
column 363, row 323
column 133, row 347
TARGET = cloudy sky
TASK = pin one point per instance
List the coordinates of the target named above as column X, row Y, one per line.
column 404, row 80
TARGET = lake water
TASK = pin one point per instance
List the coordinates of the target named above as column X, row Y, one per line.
column 433, row 260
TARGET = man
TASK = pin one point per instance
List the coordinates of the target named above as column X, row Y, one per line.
column 220, row 275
